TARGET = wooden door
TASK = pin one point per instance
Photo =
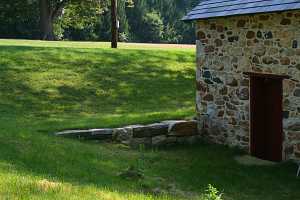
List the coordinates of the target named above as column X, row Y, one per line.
column 266, row 118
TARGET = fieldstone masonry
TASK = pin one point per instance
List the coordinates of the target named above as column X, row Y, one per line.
column 159, row 134
column 229, row 46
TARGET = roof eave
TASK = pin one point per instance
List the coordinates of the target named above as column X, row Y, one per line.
column 188, row 18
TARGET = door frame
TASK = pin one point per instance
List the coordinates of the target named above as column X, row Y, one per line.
column 268, row 76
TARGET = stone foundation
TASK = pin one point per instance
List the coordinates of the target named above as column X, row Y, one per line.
column 227, row 47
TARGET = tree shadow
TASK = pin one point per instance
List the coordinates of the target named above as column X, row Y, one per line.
column 41, row 87
column 191, row 168
column 44, row 85
column 101, row 81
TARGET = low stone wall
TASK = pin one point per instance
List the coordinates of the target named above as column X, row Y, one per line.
column 158, row 134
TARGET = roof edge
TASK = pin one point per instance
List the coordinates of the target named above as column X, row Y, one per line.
column 188, row 19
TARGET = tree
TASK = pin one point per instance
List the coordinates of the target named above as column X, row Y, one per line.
column 135, row 15
column 114, row 24
column 152, row 27
column 80, row 21
column 50, row 10
column 91, row 20
column 19, row 19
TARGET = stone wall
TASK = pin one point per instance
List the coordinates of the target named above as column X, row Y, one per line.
column 159, row 134
column 227, row 47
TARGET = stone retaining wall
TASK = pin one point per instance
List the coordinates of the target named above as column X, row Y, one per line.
column 229, row 46
column 158, row 134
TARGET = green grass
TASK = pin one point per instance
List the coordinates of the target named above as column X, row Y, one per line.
column 51, row 86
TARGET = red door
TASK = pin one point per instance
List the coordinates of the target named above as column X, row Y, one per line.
column 266, row 117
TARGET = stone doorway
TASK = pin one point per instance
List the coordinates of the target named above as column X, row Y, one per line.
column 266, row 137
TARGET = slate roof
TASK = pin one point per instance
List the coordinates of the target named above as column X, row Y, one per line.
column 221, row 8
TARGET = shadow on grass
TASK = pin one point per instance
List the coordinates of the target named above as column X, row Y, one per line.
column 45, row 89
column 48, row 80
column 190, row 168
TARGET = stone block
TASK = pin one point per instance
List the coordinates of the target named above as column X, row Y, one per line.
column 231, row 81
column 241, row 23
column 202, row 87
column 208, row 97
column 292, row 124
column 159, row 140
column 74, row 133
column 285, row 61
column 285, row 21
column 100, row 134
column 209, row 49
column 233, row 39
column 294, row 135
column 250, row 35
column 297, row 93
column 122, row 135
column 201, row 35
column 268, row 60
column 150, row 130
column 183, row 128
column 260, row 50
column 269, row 35
column 170, row 140
column 220, row 28
column 264, row 17
column 138, row 142
column 91, row 134
column 243, row 94
column 289, row 150
column 218, row 42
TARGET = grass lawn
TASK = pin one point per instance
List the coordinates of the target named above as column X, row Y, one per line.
column 51, row 86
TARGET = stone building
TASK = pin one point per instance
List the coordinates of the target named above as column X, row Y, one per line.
column 248, row 75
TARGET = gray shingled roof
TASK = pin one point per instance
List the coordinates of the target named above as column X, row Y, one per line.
column 221, row 8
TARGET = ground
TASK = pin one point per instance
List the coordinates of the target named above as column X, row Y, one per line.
column 51, row 86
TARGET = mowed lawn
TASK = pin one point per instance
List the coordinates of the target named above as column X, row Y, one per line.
column 51, row 86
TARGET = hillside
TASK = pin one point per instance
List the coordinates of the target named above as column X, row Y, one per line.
column 51, row 86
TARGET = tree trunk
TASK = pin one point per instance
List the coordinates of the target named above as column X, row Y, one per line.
column 114, row 24
column 46, row 20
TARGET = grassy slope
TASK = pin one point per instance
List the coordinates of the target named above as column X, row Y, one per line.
column 44, row 89
column 96, row 87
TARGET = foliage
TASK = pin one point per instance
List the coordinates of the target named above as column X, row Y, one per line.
column 170, row 35
column 211, row 193
column 140, row 20
column 18, row 19
column 78, row 21
column 152, row 28
column 123, row 37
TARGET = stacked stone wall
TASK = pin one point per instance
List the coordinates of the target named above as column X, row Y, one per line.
column 228, row 47
column 153, row 135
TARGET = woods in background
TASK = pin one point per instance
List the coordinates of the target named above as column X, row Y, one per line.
column 90, row 20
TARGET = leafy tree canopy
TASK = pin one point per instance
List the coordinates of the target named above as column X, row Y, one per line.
column 140, row 20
